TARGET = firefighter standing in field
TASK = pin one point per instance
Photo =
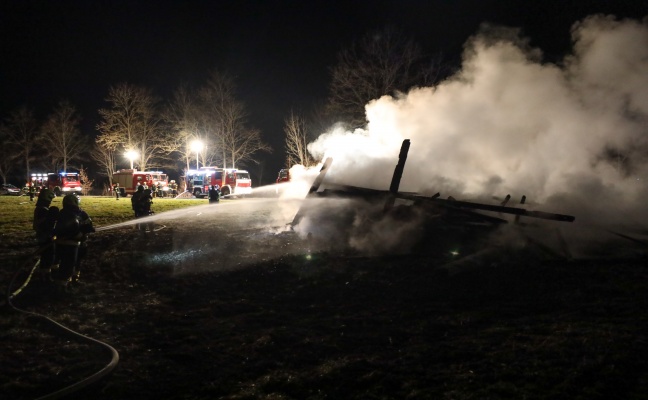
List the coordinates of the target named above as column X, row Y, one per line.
column 145, row 202
column 72, row 228
column 32, row 191
column 135, row 201
column 116, row 190
column 45, row 217
column 214, row 194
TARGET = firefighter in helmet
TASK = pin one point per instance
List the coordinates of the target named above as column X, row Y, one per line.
column 145, row 202
column 32, row 191
column 45, row 216
column 135, row 201
column 214, row 194
column 72, row 228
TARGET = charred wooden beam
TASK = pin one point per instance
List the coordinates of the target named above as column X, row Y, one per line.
column 398, row 174
column 398, row 171
column 320, row 177
column 522, row 201
column 458, row 204
column 314, row 188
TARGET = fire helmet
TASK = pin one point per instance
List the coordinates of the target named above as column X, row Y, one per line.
column 70, row 200
column 46, row 195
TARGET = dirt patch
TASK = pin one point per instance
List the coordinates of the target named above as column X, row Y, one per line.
column 318, row 325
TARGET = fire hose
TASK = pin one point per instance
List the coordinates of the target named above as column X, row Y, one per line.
column 84, row 382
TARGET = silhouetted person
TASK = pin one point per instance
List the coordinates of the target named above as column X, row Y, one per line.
column 214, row 194
column 135, row 201
column 44, row 221
column 72, row 228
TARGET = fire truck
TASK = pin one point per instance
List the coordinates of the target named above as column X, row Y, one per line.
column 59, row 183
column 129, row 179
column 232, row 182
column 284, row 176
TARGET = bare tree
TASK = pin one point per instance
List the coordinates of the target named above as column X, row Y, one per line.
column 182, row 116
column 296, row 141
column 61, row 135
column 86, row 182
column 105, row 159
column 238, row 143
column 21, row 131
column 10, row 154
column 380, row 63
column 221, row 114
column 241, row 145
column 213, row 117
column 133, row 123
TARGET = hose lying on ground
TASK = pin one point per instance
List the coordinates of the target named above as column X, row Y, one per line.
column 86, row 381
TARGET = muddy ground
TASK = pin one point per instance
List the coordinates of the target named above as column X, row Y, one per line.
column 188, row 324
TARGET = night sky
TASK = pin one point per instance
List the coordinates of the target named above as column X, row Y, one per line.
column 279, row 51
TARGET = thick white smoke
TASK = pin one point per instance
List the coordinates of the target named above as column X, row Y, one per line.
column 572, row 136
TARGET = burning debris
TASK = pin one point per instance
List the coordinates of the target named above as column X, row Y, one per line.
column 391, row 222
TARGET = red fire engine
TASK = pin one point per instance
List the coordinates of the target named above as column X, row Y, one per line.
column 284, row 176
column 129, row 179
column 232, row 182
column 59, row 183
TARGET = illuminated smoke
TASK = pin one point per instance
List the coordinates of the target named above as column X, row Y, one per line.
column 572, row 137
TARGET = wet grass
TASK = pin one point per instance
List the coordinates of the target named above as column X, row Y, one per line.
column 327, row 326
column 17, row 211
column 373, row 328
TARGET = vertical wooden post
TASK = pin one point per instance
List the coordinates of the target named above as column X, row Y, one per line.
column 314, row 187
column 398, row 174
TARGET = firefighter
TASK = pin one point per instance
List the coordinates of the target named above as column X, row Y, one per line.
column 72, row 228
column 32, row 191
column 135, row 201
column 116, row 190
column 153, row 191
column 174, row 187
column 160, row 192
column 214, row 194
column 45, row 217
column 145, row 202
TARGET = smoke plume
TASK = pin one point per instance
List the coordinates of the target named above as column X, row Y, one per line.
column 571, row 136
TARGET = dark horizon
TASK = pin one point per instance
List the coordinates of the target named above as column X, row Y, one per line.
column 280, row 51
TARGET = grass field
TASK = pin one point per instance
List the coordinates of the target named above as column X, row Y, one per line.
column 17, row 211
column 191, row 320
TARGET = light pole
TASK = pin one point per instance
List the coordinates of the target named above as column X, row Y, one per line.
column 131, row 155
column 196, row 146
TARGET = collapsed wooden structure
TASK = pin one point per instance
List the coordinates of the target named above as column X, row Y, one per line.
column 455, row 211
